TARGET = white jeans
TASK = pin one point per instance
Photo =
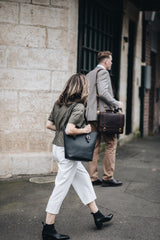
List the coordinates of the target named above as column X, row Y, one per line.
column 69, row 172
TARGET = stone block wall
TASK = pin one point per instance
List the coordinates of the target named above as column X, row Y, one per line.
column 38, row 53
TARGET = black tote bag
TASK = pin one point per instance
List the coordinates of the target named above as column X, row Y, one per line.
column 79, row 147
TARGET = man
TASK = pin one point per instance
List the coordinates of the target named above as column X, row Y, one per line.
column 106, row 101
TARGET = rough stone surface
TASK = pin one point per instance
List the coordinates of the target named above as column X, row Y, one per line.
column 43, row 16
column 31, row 58
column 30, row 80
column 18, row 35
column 41, row 2
column 35, row 39
column 43, row 179
column 9, row 12
column 59, row 79
column 60, row 3
column 3, row 56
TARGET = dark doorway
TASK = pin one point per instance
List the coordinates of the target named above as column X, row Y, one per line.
column 132, row 33
column 152, row 92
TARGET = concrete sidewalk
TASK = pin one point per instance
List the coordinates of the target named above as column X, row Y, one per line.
column 135, row 205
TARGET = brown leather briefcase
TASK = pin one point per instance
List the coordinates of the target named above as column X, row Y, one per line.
column 111, row 122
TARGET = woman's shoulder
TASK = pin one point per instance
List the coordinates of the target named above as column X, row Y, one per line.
column 77, row 114
column 75, row 107
column 79, row 106
column 55, row 106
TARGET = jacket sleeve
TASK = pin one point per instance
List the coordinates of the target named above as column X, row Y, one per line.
column 51, row 116
column 105, row 89
column 77, row 116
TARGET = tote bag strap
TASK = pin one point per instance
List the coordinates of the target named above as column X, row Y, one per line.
column 85, row 119
column 70, row 113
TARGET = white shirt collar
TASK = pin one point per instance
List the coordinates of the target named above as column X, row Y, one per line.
column 99, row 65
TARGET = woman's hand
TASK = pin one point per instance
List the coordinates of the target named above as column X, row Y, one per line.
column 87, row 128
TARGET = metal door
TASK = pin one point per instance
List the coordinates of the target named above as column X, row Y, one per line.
column 99, row 30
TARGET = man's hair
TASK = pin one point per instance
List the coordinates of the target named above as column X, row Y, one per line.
column 102, row 55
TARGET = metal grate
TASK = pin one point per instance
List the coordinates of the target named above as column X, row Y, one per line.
column 99, row 29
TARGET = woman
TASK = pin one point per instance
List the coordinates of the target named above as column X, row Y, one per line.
column 70, row 172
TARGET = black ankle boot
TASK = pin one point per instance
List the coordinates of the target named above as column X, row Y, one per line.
column 49, row 233
column 99, row 219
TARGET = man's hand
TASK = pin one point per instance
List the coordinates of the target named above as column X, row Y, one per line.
column 120, row 106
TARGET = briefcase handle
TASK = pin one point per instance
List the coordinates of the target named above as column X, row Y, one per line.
column 117, row 110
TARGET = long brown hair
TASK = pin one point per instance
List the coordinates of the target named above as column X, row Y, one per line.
column 75, row 90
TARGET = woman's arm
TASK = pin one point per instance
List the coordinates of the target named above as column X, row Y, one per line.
column 50, row 125
column 72, row 130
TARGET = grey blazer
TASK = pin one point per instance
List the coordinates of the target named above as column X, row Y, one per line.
column 105, row 92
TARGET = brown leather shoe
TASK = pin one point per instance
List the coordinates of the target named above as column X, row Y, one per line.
column 111, row 183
